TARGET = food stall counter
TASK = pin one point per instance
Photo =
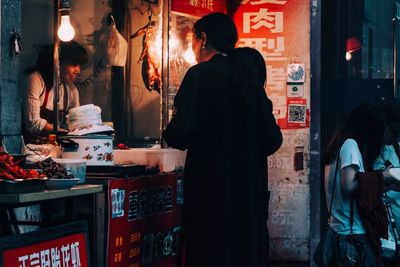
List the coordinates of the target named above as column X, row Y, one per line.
column 141, row 217
column 49, row 194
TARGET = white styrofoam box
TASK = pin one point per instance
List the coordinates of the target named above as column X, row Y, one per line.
column 130, row 156
column 180, row 159
column 166, row 159
column 95, row 149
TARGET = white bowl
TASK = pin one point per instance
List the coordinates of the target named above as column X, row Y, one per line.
column 75, row 167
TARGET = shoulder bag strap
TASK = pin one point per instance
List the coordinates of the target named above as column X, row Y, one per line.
column 351, row 215
column 46, row 98
column 333, row 187
column 397, row 149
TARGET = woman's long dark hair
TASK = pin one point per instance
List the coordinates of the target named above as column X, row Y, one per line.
column 366, row 125
column 70, row 53
column 249, row 74
column 44, row 65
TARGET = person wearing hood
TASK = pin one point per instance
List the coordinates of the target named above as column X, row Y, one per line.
column 224, row 119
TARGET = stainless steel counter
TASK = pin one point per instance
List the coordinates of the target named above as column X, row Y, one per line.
column 48, row 194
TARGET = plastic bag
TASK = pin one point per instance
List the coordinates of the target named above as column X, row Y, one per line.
column 117, row 48
column 324, row 255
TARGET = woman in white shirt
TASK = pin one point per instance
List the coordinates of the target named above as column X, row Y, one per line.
column 39, row 115
column 353, row 149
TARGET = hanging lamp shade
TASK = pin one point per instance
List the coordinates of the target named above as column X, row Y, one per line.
column 352, row 44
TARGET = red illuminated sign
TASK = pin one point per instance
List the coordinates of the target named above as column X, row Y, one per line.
column 144, row 221
column 66, row 251
column 58, row 246
column 279, row 30
column 197, row 8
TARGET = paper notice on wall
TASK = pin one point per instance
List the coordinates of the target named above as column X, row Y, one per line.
column 296, row 73
column 297, row 114
column 295, row 90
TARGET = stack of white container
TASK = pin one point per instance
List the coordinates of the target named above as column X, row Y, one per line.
column 95, row 140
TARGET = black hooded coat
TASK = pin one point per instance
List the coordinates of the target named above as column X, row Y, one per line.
column 225, row 175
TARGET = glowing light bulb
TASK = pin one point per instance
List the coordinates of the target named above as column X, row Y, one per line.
column 173, row 43
column 348, row 56
column 66, row 32
column 189, row 55
column 159, row 43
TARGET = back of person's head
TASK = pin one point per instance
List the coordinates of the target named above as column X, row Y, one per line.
column 72, row 53
column 250, row 60
column 220, row 31
column 248, row 74
column 366, row 125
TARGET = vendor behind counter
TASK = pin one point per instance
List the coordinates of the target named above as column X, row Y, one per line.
column 39, row 92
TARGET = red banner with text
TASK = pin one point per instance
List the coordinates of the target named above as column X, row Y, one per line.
column 145, row 220
column 65, row 251
column 278, row 30
column 197, row 8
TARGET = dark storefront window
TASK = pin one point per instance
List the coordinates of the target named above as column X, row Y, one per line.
column 357, row 39
column 357, row 55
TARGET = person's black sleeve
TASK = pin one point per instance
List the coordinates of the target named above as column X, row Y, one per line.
column 271, row 130
column 182, row 128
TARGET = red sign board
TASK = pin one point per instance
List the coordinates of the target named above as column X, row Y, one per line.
column 144, row 220
column 198, row 8
column 279, row 30
column 69, row 249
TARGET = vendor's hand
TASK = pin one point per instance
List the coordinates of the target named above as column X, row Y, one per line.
column 392, row 188
column 389, row 179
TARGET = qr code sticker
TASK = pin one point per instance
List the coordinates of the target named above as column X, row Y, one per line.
column 296, row 113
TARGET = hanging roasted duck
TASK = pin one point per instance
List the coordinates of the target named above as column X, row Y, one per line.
column 151, row 72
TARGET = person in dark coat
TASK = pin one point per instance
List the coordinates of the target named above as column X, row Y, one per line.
column 224, row 119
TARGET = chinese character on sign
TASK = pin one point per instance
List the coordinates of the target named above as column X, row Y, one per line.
column 275, row 48
column 133, row 205
column 276, row 83
column 118, row 257
column 210, row 5
column 270, row 48
column 258, row 43
column 207, row 4
column 135, row 237
column 194, row 3
column 22, row 260
column 118, row 241
column 45, row 258
column 263, row 18
column 134, row 252
column 34, row 259
column 55, row 257
column 65, row 255
column 276, row 78
column 75, row 257
column 168, row 199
